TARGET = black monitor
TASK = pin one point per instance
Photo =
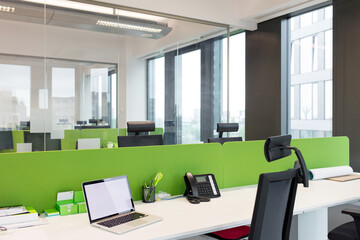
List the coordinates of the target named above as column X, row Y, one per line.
column 6, row 140
column 37, row 141
column 139, row 140
column 24, row 125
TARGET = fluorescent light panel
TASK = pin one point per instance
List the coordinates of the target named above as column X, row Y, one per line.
column 96, row 9
column 128, row 26
column 75, row 5
column 7, row 9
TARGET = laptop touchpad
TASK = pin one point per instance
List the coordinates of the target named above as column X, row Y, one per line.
column 137, row 223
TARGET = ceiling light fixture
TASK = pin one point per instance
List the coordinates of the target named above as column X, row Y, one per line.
column 75, row 5
column 7, row 9
column 128, row 26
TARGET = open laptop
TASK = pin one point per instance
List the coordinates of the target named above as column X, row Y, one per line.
column 110, row 206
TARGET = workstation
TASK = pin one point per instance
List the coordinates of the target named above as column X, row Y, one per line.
column 269, row 69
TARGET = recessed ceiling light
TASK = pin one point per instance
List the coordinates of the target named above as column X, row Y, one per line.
column 7, row 9
column 128, row 26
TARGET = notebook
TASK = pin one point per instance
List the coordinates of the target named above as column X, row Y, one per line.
column 110, row 206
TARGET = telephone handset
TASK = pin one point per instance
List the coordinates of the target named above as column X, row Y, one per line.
column 200, row 188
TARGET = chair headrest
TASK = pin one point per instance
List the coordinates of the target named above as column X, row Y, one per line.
column 140, row 126
column 227, row 127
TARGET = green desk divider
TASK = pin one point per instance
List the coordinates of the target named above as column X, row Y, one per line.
column 18, row 137
column 70, row 138
column 159, row 131
column 33, row 179
column 105, row 134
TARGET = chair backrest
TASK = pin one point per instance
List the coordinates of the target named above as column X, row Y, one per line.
column 225, row 127
column 138, row 127
column 274, row 205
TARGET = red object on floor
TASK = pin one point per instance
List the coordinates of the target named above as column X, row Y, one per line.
column 232, row 233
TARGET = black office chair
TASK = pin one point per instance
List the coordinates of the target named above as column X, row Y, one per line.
column 276, row 193
column 138, row 139
column 347, row 231
column 225, row 127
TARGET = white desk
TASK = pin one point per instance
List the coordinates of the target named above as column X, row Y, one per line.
column 182, row 219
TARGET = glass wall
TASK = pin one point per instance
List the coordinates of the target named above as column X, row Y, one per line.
column 71, row 70
column 195, row 95
column 310, row 88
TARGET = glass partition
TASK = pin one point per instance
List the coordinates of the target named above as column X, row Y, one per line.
column 68, row 67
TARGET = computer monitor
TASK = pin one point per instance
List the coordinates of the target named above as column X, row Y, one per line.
column 139, row 140
column 6, row 140
column 37, row 140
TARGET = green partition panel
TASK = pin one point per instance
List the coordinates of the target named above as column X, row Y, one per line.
column 18, row 137
column 35, row 178
column 70, row 138
column 247, row 159
column 105, row 134
column 122, row 131
column 159, row 131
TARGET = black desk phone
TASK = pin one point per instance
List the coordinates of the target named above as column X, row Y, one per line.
column 200, row 188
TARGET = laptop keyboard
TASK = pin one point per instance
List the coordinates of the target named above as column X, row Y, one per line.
column 122, row 219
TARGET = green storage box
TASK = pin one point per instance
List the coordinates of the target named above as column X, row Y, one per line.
column 81, row 207
column 79, row 200
column 66, row 207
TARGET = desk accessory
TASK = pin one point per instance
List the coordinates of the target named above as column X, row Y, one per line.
column 79, row 200
column 200, row 188
column 51, row 212
column 330, row 172
column 65, row 203
column 31, row 215
column 148, row 194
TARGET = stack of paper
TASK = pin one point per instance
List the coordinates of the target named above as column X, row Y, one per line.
column 29, row 215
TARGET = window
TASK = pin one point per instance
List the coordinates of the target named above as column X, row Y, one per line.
column 15, row 81
column 310, row 90
column 156, row 94
column 192, row 84
column 188, row 84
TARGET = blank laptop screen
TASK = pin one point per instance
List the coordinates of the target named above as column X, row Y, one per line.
column 108, row 197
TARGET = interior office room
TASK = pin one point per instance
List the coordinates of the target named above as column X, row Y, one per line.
column 75, row 75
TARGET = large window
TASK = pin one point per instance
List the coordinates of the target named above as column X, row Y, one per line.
column 310, row 91
column 188, row 89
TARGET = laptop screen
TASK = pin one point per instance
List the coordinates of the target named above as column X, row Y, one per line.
column 108, row 197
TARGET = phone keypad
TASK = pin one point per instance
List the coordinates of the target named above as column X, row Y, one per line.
column 205, row 190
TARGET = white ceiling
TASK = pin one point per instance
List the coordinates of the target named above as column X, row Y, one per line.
column 243, row 14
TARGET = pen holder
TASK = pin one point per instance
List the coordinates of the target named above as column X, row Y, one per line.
column 148, row 194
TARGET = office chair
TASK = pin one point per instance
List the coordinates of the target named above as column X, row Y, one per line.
column 347, row 231
column 275, row 196
column 138, row 139
column 225, row 127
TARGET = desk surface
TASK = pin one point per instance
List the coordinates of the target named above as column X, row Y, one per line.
column 182, row 219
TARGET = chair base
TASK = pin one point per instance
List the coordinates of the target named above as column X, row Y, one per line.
column 345, row 231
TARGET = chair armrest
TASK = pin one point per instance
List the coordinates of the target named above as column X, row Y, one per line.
column 355, row 213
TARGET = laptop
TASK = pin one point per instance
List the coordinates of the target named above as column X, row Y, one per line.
column 110, row 206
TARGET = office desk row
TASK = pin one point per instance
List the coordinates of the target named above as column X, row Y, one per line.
column 182, row 219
